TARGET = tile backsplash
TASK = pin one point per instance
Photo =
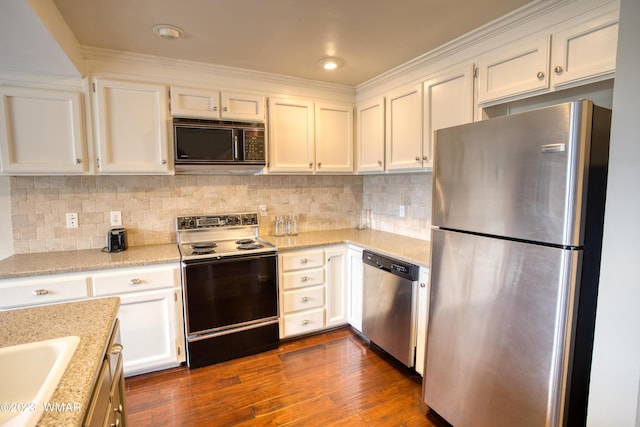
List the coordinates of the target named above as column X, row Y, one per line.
column 149, row 205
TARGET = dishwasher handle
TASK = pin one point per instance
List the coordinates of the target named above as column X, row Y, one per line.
column 392, row 266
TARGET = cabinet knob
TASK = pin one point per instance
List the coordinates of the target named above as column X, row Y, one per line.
column 119, row 409
column 425, row 158
column 134, row 282
column 304, row 300
column 423, row 285
column 40, row 292
column 304, row 279
column 379, row 162
column 558, row 69
column 215, row 108
column 164, row 162
column 418, row 158
column 540, row 75
column 78, row 161
column 319, row 165
column 304, row 260
column 310, row 165
column 305, row 322
column 225, row 109
column 116, row 349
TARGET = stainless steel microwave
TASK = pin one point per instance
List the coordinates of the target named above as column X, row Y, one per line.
column 203, row 146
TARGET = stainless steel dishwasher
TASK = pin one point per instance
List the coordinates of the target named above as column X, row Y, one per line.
column 389, row 305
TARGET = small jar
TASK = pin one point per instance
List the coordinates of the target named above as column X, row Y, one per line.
column 280, row 226
column 292, row 225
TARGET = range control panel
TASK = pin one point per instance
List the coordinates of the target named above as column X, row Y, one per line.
column 214, row 221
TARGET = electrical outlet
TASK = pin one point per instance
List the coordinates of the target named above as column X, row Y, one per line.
column 263, row 210
column 401, row 211
column 116, row 218
column 72, row 220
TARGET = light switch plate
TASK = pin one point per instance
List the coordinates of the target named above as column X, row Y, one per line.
column 116, row 218
column 72, row 220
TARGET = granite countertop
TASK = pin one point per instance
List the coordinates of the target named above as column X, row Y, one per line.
column 26, row 325
column 404, row 248
column 38, row 264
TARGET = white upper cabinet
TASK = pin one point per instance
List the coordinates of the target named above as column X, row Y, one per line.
column 131, row 127
column 201, row 103
column 195, row 103
column 42, row 132
column 518, row 68
column 447, row 101
column 291, row 135
column 582, row 52
column 404, row 129
column 585, row 51
column 334, row 138
column 370, row 146
column 242, row 106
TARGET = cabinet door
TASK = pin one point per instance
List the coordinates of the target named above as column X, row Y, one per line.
column 521, row 67
column 41, row 132
column 241, row 106
column 334, row 138
column 149, row 330
column 404, row 129
column 196, row 103
column 447, row 101
column 585, row 52
column 371, row 136
column 132, row 122
column 336, row 287
column 422, row 319
column 354, row 315
column 291, row 135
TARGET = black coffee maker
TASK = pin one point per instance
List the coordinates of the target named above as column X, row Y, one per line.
column 116, row 240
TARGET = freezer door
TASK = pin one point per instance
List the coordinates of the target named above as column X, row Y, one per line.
column 519, row 176
column 499, row 331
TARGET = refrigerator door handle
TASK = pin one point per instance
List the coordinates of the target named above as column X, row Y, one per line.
column 553, row 148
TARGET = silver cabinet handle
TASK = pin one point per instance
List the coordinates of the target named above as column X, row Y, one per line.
column 215, row 108
column 418, row 158
column 40, row 292
column 304, row 278
column 310, row 165
column 78, row 161
column 225, row 109
column 319, row 165
column 304, row 300
column 558, row 69
column 423, row 285
column 540, row 75
column 134, row 282
column 164, row 162
column 425, row 158
column 304, row 260
column 379, row 162
column 305, row 322
column 116, row 349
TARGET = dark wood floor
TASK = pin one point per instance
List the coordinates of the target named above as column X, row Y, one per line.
column 331, row 379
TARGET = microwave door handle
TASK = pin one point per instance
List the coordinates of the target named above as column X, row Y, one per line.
column 235, row 141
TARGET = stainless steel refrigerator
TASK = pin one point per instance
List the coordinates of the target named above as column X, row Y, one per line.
column 518, row 208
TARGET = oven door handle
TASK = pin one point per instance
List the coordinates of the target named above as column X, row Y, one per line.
column 228, row 258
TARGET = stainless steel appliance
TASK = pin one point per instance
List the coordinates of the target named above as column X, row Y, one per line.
column 518, row 208
column 230, row 287
column 205, row 146
column 389, row 301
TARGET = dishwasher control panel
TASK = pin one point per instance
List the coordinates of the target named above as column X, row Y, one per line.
column 399, row 268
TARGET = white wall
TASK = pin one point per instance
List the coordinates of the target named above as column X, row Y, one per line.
column 615, row 373
column 6, row 229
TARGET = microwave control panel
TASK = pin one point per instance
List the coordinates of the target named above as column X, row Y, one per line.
column 254, row 145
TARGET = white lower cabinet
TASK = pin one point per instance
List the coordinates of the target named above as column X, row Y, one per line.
column 38, row 290
column 422, row 319
column 313, row 290
column 150, row 315
column 354, row 309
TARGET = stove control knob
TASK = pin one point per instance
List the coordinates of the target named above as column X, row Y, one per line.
column 232, row 220
column 186, row 223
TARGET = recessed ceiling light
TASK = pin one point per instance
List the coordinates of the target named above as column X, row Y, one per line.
column 330, row 63
column 168, row 32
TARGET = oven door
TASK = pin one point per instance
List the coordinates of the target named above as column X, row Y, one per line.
column 229, row 292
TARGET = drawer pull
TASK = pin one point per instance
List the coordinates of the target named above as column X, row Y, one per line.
column 40, row 292
column 119, row 409
column 305, row 322
column 304, row 260
column 304, row 279
column 134, row 282
column 116, row 349
column 304, row 300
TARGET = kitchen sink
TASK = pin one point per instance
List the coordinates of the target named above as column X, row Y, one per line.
column 29, row 374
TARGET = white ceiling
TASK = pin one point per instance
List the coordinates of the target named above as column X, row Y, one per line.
column 285, row 37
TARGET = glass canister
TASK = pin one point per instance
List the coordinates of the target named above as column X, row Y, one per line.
column 280, row 226
column 292, row 225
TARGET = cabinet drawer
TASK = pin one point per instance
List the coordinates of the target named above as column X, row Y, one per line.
column 47, row 290
column 303, row 299
column 302, row 259
column 303, row 278
column 302, row 323
column 135, row 279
